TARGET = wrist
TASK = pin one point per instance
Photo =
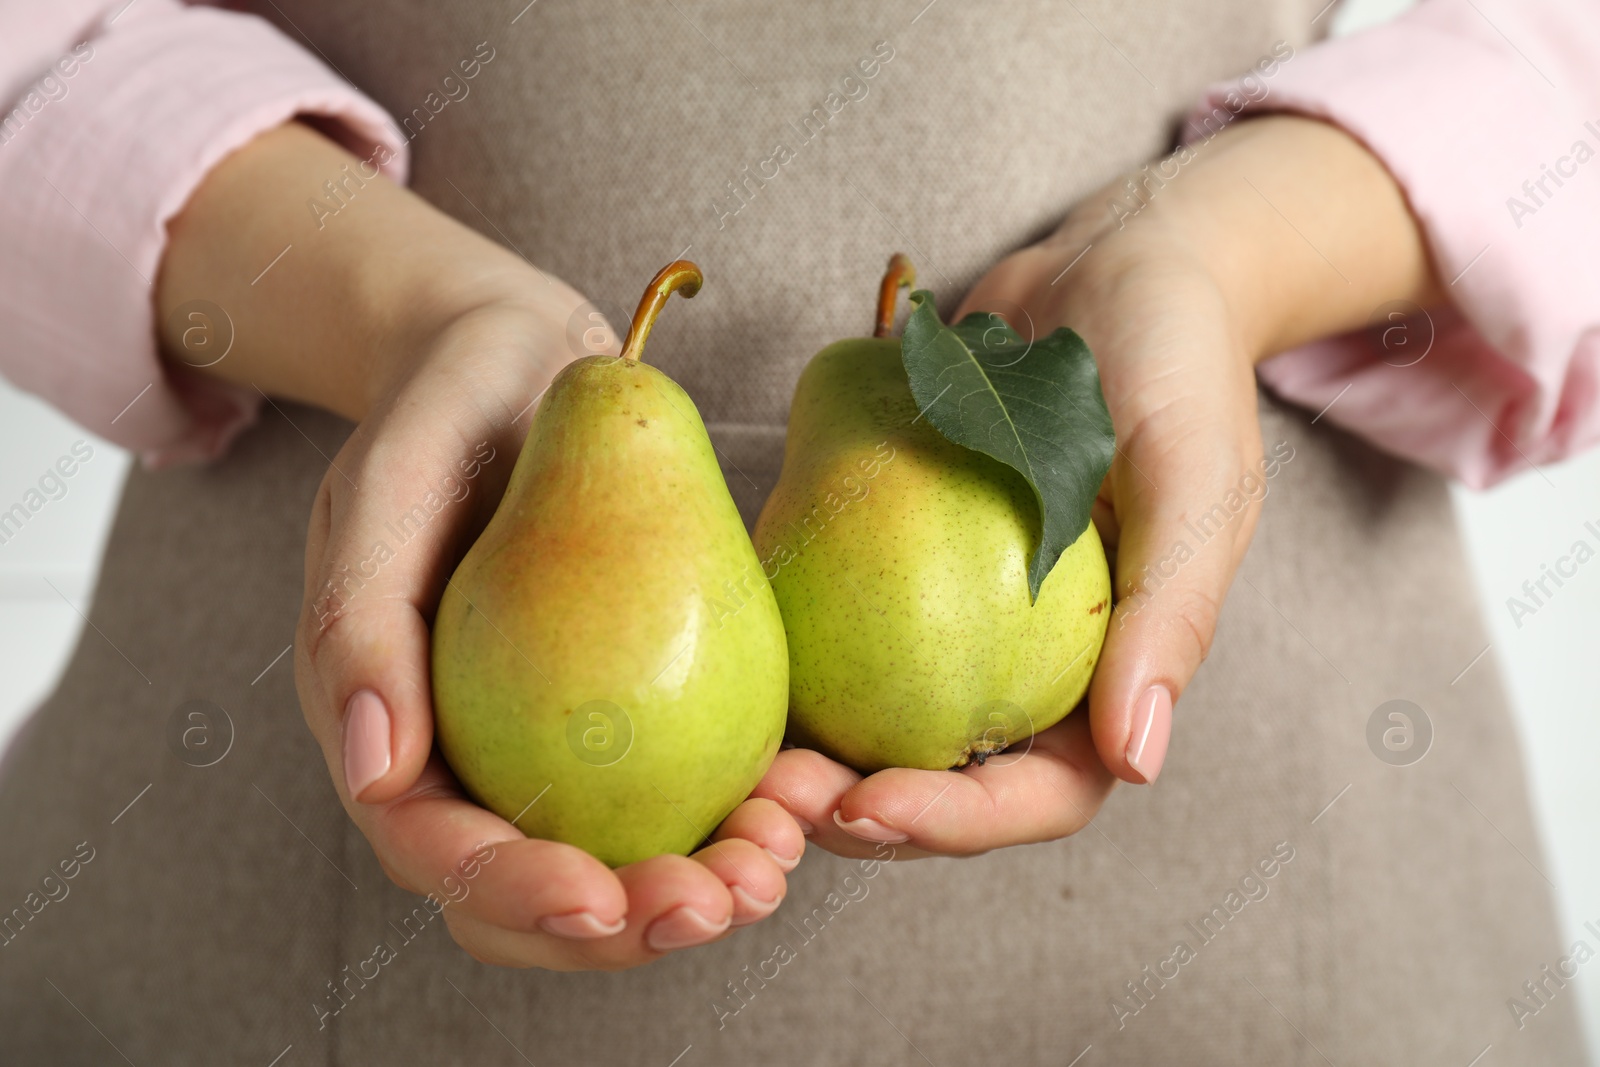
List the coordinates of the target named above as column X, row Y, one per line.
column 1305, row 231
column 1103, row 291
column 349, row 301
column 508, row 307
column 1302, row 231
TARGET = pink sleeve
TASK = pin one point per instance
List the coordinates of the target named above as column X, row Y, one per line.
column 1487, row 113
column 111, row 114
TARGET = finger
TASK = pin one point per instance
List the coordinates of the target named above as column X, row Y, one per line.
column 433, row 833
column 367, row 697
column 808, row 785
column 753, row 878
column 767, row 825
column 1049, row 790
column 361, row 664
column 1104, row 516
column 1007, row 288
column 674, row 902
column 377, row 553
column 500, row 947
column 1177, row 551
column 527, row 885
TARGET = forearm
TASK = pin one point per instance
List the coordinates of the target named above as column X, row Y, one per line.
column 323, row 306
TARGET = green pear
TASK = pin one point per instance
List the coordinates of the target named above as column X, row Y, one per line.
column 590, row 683
column 901, row 568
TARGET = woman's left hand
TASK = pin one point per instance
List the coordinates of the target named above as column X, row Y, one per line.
column 1177, row 303
column 1182, row 400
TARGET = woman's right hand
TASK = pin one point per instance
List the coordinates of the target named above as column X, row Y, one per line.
column 450, row 429
column 437, row 343
column 448, row 432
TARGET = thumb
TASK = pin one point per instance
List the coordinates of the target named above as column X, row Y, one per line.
column 1181, row 500
column 360, row 658
column 1006, row 290
column 374, row 561
column 1186, row 497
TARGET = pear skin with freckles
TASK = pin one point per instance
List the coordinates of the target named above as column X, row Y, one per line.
column 902, row 575
column 609, row 664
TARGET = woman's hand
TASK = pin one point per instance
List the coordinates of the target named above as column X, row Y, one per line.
column 448, row 431
column 437, row 342
column 1279, row 231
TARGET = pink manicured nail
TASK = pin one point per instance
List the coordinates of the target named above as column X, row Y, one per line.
column 785, row 863
column 871, row 830
column 580, row 926
column 1152, row 729
column 683, row 927
column 756, row 909
column 366, row 741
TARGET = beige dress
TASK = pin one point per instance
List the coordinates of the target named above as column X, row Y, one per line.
column 1404, row 906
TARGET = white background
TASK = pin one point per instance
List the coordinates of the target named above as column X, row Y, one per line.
column 1510, row 532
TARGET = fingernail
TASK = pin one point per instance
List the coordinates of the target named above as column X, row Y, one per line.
column 756, row 909
column 681, row 928
column 580, row 926
column 786, row 863
column 871, row 830
column 1152, row 728
column 366, row 741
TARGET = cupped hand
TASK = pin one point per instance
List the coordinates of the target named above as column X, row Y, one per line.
column 1180, row 503
column 1181, row 393
column 436, row 342
column 1179, row 278
column 401, row 502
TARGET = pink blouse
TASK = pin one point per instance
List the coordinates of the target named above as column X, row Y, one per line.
column 1487, row 112
column 104, row 142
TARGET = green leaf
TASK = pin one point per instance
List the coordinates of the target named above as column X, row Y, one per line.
column 1034, row 406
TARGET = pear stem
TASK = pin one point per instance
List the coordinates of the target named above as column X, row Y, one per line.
column 679, row 276
column 900, row 274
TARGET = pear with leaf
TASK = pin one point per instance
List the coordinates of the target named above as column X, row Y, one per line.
column 585, row 686
column 929, row 544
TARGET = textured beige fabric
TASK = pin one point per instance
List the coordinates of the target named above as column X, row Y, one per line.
column 218, row 907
